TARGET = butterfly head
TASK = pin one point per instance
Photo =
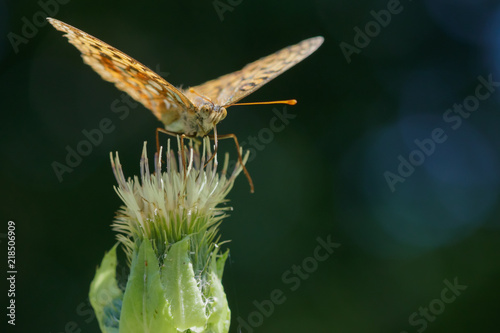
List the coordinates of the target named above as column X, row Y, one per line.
column 211, row 115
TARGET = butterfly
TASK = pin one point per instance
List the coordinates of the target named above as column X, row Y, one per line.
column 192, row 112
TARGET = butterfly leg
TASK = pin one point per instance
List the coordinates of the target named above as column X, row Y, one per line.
column 158, row 130
column 182, row 137
column 216, row 146
column 240, row 158
column 183, row 155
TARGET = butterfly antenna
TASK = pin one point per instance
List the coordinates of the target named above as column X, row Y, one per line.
column 191, row 90
column 288, row 102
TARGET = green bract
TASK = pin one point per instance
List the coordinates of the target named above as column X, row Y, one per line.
column 168, row 227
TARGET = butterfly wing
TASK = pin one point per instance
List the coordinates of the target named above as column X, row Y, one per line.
column 232, row 87
column 142, row 84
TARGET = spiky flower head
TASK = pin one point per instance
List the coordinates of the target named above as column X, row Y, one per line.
column 168, row 226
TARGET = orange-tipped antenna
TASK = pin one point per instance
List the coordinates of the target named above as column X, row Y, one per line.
column 288, row 102
column 205, row 98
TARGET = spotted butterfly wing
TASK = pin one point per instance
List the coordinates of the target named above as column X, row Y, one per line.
column 232, row 87
column 165, row 101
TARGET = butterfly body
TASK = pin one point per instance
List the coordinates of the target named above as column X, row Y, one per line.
column 194, row 111
column 198, row 121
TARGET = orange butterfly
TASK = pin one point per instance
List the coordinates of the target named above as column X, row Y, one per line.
column 187, row 112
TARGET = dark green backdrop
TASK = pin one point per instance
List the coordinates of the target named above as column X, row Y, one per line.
column 369, row 104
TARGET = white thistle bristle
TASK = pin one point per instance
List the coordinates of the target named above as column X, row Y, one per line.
column 184, row 199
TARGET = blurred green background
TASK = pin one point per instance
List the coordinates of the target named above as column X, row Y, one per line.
column 324, row 175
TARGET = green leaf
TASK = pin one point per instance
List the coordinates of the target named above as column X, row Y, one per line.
column 145, row 308
column 183, row 293
column 104, row 294
column 220, row 317
column 218, row 264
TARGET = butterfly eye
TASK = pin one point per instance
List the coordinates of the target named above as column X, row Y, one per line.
column 206, row 108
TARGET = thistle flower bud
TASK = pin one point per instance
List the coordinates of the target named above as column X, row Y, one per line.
column 168, row 227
